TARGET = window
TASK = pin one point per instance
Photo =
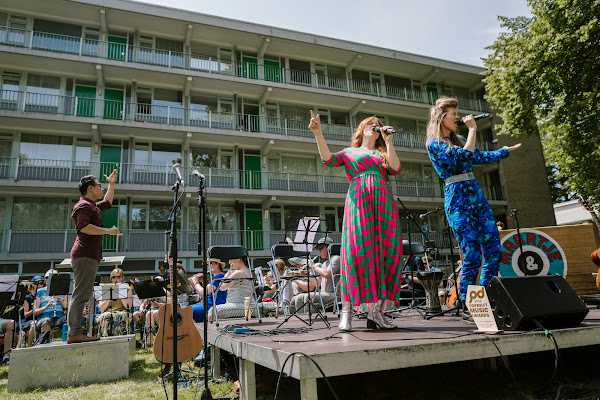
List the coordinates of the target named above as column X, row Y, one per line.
column 164, row 154
column 10, row 85
column 159, row 216
column 299, row 165
column 204, row 158
column 141, row 154
column 294, row 213
column 45, row 147
column 5, row 149
column 139, row 215
column 275, row 217
column 43, row 90
column 35, row 213
column 83, row 150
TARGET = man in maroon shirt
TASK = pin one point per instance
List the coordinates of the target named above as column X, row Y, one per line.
column 86, row 252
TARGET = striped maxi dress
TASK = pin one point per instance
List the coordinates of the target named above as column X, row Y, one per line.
column 371, row 242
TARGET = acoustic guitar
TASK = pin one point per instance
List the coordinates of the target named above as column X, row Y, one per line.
column 596, row 253
column 189, row 342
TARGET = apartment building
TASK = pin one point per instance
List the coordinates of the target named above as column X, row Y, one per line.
column 87, row 86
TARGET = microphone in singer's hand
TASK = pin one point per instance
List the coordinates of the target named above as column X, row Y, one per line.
column 389, row 131
column 460, row 122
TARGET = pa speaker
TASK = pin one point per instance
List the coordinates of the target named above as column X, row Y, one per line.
column 523, row 302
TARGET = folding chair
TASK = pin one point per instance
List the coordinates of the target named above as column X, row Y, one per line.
column 228, row 253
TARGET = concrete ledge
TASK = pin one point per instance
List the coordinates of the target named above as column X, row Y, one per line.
column 59, row 364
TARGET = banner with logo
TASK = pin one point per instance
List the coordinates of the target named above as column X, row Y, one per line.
column 541, row 255
column 480, row 309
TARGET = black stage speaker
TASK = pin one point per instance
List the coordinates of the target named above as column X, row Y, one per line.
column 518, row 303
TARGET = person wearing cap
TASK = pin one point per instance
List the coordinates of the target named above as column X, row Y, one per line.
column 215, row 296
column 86, row 252
column 49, row 309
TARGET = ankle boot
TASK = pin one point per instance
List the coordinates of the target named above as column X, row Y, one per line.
column 376, row 318
column 346, row 317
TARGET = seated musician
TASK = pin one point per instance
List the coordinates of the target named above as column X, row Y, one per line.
column 7, row 330
column 114, row 314
column 238, row 284
column 214, row 296
column 27, row 333
column 48, row 309
column 418, row 264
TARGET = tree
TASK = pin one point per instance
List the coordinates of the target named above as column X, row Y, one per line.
column 543, row 77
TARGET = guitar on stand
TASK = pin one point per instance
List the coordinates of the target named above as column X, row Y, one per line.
column 177, row 339
column 189, row 342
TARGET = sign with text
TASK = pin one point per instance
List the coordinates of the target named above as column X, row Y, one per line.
column 480, row 309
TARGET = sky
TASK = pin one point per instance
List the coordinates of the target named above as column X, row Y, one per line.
column 458, row 30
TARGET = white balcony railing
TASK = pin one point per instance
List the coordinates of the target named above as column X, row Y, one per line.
column 198, row 62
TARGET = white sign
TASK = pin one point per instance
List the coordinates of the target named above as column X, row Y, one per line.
column 480, row 309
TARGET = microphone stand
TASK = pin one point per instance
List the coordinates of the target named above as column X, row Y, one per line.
column 514, row 213
column 173, row 253
column 202, row 251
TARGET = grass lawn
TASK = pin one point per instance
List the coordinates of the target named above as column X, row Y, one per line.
column 142, row 383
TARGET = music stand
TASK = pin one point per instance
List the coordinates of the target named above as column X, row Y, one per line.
column 304, row 241
column 149, row 288
column 59, row 284
column 8, row 287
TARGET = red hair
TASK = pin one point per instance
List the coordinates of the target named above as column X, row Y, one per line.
column 380, row 146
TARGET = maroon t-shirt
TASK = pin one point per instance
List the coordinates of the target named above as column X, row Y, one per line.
column 87, row 212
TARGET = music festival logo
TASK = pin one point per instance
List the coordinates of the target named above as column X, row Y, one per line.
column 541, row 255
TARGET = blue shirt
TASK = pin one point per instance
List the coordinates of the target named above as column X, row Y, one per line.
column 221, row 294
column 52, row 311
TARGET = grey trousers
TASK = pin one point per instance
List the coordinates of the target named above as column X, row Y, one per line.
column 84, row 271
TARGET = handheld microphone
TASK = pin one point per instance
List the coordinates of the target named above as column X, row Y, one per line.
column 421, row 216
column 389, row 131
column 460, row 122
column 177, row 168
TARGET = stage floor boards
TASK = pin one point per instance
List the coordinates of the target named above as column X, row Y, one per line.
column 416, row 342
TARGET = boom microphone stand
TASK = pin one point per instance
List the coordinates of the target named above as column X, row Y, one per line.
column 202, row 251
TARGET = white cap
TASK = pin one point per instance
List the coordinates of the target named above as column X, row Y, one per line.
column 50, row 272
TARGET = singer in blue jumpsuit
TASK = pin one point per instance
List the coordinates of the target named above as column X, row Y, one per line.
column 468, row 212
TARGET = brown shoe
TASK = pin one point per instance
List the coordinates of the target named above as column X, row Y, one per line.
column 81, row 338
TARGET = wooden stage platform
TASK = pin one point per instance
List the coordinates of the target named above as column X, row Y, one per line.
column 416, row 342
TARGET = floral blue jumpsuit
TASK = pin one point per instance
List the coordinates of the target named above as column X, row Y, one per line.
column 468, row 212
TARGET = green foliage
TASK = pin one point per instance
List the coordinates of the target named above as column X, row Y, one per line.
column 543, row 76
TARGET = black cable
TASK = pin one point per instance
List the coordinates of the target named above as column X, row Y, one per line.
column 335, row 396
column 505, row 362
column 548, row 333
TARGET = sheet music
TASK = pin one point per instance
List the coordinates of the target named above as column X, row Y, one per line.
column 260, row 279
column 303, row 224
column 103, row 292
column 8, row 283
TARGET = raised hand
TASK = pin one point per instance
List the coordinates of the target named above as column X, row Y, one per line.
column 315, row 123
column 112, row 178
column 470, row 122
column 514, row 147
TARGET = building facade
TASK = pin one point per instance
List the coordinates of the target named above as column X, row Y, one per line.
column 91, row 85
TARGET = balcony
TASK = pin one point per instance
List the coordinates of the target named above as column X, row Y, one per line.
column 110, row 110
column 23, row 169
column 24, row 242
column 202, row 63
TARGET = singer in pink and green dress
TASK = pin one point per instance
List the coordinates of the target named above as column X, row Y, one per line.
column 371, row 244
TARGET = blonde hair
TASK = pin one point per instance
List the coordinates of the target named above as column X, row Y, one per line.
column 437, row 113
column 280, row 264
column 380, row 146
column 117, row 271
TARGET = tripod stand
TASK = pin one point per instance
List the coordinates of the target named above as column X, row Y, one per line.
column 413, row 305
column 310, row 225
column 457, row 306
